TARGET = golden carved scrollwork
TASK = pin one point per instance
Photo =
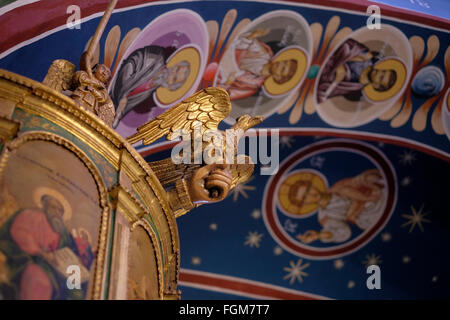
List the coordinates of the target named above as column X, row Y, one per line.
column 60, row 75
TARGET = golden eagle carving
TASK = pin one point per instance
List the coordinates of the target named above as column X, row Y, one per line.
column 204, row 182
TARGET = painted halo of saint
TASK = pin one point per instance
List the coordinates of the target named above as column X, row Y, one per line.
column 265, row 63
column 357, row 200
column 183, row 67
column 259, row 68
column 363, row 76
column 36, row 247
column 146, row 74
column 386, row 79
column 161, row 66
column 42, row 194
column 289, row 66
column 291, row 193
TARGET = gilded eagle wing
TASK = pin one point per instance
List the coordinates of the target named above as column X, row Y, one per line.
column 208, row 106
column 59, row 76
column 241, row 172
column 168, row 172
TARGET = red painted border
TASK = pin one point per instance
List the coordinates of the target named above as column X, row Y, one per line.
column 362, row 136
column 28, row 21
column 241, row 285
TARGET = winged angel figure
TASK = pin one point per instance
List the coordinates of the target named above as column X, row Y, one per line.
column 190, row 185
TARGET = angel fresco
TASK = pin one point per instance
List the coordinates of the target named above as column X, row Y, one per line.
column 255, row 60
column 162, row 65
column 350, row 69
column 265, row 63
column 363, row 76
column 144, row 71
